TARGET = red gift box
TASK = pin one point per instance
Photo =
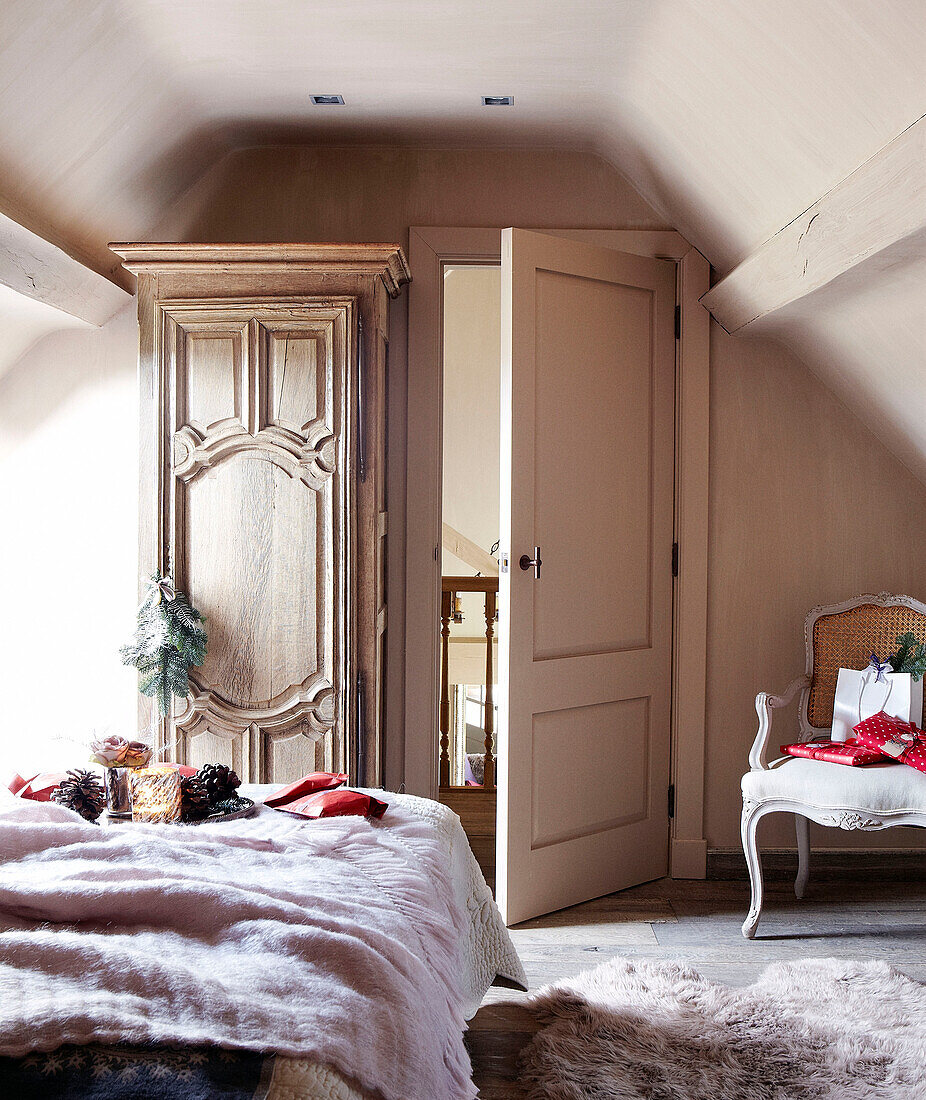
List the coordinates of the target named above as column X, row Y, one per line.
column 836, row 752
column 895, row 738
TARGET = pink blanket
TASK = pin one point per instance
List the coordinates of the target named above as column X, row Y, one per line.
column 336, row 940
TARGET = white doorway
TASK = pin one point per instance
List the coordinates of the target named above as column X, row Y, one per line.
column 455, row 251
column 470, row 478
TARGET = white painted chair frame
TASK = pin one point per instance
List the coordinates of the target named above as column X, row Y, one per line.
column 804, row 813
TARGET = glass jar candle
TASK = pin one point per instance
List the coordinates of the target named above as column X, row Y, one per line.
column 118, row 785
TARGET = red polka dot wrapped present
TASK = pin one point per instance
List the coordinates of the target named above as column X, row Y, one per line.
column 836, row 752
column 897, row 739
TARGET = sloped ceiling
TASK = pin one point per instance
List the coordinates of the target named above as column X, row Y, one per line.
column 730, row 117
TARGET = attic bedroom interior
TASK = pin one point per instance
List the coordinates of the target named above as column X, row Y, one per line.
column 463, row 479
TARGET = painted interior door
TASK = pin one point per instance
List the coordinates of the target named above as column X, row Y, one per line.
column 587, row 474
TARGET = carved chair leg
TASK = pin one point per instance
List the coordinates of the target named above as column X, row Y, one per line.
column 802, row 828
column 751, row 815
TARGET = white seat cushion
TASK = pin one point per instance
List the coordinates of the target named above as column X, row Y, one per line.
column 878, row 788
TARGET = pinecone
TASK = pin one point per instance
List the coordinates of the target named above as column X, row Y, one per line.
column 219, row 780
column 195, row 803
column 81, row 791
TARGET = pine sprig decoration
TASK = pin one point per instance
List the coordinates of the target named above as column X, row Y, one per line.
column 169, row 640
column 910, row 657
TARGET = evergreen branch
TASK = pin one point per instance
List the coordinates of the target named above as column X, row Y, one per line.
column 910, row 656
column 169, row 639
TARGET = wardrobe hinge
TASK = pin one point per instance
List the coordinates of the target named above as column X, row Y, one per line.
column 361, row 411
column 674, row 559
column 678, row 322
column 672, row 801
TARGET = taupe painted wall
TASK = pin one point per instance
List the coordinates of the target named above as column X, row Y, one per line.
column 807, row 505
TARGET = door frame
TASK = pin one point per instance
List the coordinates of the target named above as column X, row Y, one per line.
column 430, row 249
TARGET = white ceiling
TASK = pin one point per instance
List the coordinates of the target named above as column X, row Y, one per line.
column 729, row 116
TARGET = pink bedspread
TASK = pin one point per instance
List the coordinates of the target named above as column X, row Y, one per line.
column 335, row 940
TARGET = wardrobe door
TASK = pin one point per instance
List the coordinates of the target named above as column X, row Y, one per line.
column 257, row 527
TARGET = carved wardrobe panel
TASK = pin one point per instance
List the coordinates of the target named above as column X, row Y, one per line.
column 262, row 490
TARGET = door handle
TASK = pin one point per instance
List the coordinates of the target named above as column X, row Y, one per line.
column 532, row 563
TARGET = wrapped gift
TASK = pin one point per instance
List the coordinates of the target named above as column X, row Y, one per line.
column 836, row 752
column 895, row 738
column 860, row 694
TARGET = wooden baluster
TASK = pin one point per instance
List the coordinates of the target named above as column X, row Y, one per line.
column 488, row 778
column 446, row 613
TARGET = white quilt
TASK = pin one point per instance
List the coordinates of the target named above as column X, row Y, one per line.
column 338, row 943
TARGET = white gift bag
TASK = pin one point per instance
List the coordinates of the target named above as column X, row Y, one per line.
column 860, row 694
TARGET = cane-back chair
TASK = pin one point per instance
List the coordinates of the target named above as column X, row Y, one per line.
column 876, row 797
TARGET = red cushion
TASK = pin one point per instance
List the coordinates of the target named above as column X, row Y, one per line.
column 308, row 784
column 339, row 803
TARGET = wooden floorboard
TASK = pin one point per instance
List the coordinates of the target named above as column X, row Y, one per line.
column 698, row 924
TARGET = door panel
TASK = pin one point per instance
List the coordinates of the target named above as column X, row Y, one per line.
column 588, row 382
column 578, row 402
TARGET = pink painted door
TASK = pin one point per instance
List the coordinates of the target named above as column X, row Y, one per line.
column 587, row 475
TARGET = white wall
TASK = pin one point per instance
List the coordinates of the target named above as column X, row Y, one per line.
column 68, row 498
column 472, row 351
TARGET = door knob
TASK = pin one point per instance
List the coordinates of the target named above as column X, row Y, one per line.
column 532, row 563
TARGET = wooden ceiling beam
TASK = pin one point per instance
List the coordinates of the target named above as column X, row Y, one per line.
column 880, row 205
column 33, row 266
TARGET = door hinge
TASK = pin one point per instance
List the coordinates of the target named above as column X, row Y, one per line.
column 678, row 322
column 672, row 801
column 361, row 410
column 360, row 754
column 674, row 559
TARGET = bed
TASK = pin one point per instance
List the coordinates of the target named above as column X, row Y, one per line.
column 267, row 957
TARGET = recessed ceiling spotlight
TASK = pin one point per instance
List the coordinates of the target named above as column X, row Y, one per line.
column 498, row 101
column 328, row 100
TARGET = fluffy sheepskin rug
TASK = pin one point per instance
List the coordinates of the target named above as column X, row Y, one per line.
column 821, row 1029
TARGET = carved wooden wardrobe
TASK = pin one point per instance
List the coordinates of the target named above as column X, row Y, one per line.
column 262, row 373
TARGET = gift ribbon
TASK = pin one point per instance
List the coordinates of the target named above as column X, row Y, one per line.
column 876, row 666
column 879, row 668
column 164, row 586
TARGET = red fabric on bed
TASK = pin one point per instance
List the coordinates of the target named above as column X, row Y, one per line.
column 39, row 787
column 184, row 769
column 308, row 784
column 338, row 803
